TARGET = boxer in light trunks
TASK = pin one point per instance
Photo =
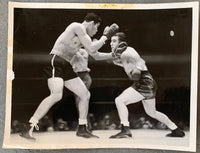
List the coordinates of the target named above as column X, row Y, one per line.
column 80, row 63
column 143, row 88
column 80, row 66
column 59, row 71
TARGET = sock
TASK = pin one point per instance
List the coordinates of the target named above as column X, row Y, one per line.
column 125, row 123
column 82, row 122
column 33, row 121
column 172, row 126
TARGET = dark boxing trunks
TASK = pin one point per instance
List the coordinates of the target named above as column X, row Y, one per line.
column 86, row 78
column 58, row 67
column 146, row 85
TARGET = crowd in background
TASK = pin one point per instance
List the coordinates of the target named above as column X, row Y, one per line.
column 106, row 123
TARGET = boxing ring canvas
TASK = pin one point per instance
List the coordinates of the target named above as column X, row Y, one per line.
column 165, row 35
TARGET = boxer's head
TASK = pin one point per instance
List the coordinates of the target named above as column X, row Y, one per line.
column 116, row 39
column 94, row 22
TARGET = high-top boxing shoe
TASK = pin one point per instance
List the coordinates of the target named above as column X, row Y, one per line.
column 125, row 133
column 27, row 131
column 83, row 132
column 176, row 133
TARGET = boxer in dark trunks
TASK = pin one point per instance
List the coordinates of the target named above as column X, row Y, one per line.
column 143, row 88
column 60, row 72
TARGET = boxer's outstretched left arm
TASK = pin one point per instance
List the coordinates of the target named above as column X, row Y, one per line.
column 101, row 56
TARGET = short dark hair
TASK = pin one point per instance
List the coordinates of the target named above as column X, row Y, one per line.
column 93, row 17
column 121, row 36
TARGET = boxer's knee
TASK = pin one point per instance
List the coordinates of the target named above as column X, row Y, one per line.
column 55, row 97
column 151, row 113
column 118, row 101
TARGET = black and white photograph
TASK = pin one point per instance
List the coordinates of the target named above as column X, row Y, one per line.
column 95, row 75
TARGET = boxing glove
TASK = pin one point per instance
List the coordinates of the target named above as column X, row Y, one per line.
column 111, row 31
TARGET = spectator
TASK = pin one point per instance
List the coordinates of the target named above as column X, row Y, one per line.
column 61, row 125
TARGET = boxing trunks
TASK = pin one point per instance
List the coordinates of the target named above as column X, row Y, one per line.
column 146, row 85
column 58, row 67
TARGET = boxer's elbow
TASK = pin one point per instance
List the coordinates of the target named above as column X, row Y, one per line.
column 136, row 75
column 91, row 48
column 94, row 46
column 96, row 56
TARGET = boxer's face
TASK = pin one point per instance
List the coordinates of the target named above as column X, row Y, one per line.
column 114, row 43
column 92, row 28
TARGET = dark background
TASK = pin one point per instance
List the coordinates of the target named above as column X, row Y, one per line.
column 148, row 31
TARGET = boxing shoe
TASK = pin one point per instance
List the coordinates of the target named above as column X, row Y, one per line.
column 89, row 129
column 27, row 131
column 176, row 133
column 125, row 133
column 83, row 132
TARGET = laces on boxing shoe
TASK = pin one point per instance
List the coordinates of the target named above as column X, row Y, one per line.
column 35, row 126
column 27, row 131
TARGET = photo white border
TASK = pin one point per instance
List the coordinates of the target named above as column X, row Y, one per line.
column 194, row 67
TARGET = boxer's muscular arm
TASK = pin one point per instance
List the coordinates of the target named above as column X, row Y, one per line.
column 86, row 40
column 131, row 61
column 101, row 56
column 97, row 55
